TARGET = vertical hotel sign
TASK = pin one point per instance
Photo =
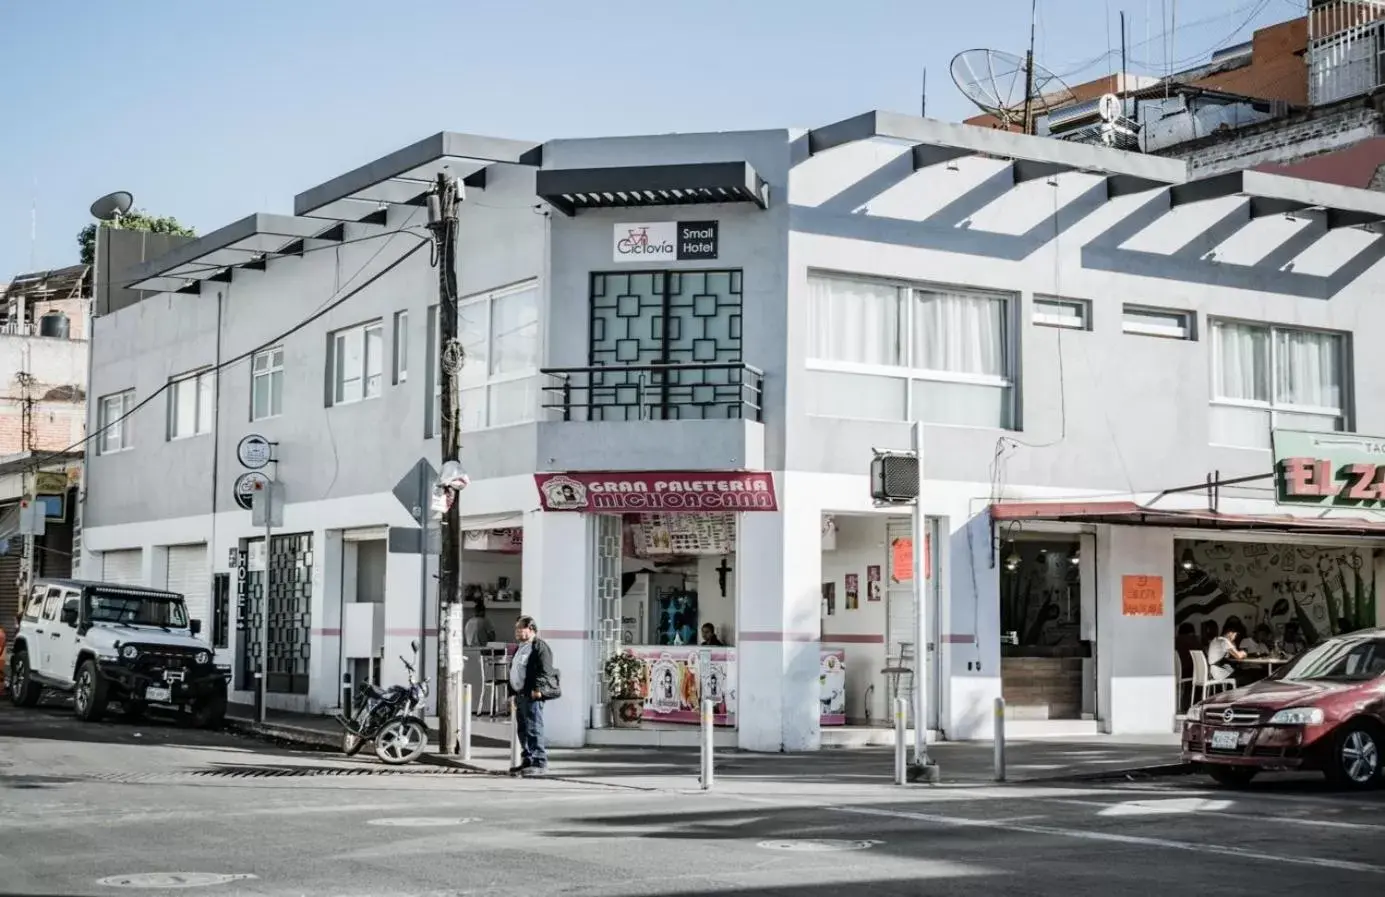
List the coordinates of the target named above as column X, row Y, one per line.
column 1329, row 470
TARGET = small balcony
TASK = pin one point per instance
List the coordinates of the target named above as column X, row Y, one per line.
column 653, row 417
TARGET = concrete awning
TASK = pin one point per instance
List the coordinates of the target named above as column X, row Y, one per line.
column 1128, row 513
column 405, row 177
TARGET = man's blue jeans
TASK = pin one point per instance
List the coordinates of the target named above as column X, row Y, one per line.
column 529, row 722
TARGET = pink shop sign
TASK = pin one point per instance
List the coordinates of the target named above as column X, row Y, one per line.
column 683, row 492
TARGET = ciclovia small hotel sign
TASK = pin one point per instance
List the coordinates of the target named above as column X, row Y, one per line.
column 1329, row 469
column 665, row 241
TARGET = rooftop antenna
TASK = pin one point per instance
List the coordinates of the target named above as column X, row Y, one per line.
column 33, row 228
column 112, row 206
column 923, row 95
column 1029, row 70
column 1016, row 91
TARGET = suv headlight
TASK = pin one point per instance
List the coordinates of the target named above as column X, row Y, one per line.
column 201, row 658
column 1298, row 716
column 129, row 652
column 1194, row 714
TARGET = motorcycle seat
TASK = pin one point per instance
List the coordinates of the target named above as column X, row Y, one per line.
column 374, row 691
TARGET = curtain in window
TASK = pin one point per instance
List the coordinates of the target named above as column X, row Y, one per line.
column 959, row 333
column 1307, row 369
column 853, row 321
column 515, row 333
column 1240, row 362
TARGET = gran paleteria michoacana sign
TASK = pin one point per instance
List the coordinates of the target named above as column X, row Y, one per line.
column 1329, row 469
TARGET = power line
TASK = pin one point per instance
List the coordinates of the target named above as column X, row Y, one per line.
column 248, row 354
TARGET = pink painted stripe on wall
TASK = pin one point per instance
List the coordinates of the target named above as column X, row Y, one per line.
column 959, row 638
column 326, row 632
column 853, row 639
column 572, row 635
column 776, row 636
column 427, row 633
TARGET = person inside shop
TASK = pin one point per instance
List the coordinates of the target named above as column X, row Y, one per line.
column 1294, row 643
column 1223, row 651
column 478, row 631
column 709, row 636
column 1261, row 643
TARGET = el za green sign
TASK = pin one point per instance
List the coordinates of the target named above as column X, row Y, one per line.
column 1329, row 469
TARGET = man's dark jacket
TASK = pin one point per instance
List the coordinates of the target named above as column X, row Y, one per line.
column 539, row 674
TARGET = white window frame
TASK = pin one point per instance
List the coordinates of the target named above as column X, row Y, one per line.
column 400, row 354
column 1273, row 407
column 489, row 298
column 907, row 372
column 112, row 422
column 268, row 373
column 365, row 373
column 202, row 417
column 1144, row 323
column 1045, row 313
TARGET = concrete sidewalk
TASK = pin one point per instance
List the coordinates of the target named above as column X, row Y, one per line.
column 962, row 763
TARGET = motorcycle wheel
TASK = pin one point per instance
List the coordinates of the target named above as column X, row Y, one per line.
column 401, row 741
column 351, row 744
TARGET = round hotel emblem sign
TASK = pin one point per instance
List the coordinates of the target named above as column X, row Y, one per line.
column 247, row 484
column 254, row 452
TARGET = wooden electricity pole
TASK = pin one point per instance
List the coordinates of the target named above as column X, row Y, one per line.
column 442, row 211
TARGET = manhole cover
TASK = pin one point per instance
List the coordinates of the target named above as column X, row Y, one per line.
column 817, row 845
column 423, row 821
column 170, row 880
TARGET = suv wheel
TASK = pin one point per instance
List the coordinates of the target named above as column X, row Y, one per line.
column 1356, row 758
column 24, row 692
column 89, row 697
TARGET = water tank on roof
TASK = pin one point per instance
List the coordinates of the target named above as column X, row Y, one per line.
column 54, row 324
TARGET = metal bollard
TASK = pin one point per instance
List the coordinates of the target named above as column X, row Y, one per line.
column 707, row 745
column 514, row 736
column 1000, row 739
column 466, row 721
column 901, row 737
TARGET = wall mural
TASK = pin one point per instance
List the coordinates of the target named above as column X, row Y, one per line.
column 1040, row 599
column 1325, row 591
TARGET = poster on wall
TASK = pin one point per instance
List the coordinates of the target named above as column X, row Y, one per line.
column 873, row 582
column 832, row 684
column 1142, row 596
column 829, row 599
column 853, row 591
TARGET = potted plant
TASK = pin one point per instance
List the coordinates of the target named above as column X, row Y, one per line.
column 626, row 686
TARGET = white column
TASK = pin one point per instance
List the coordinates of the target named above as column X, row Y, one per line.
column 407, row 621
column 1135, row 661
column 779, row 623
column 328, row 573
column 558, row 581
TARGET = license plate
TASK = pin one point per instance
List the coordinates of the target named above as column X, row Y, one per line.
column 1225, row 741
column 158, row 695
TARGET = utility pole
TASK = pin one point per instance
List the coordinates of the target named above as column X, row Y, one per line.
column 442, row 221
column 1029, row 71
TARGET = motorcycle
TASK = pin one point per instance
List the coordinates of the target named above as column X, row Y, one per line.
column 390, row 718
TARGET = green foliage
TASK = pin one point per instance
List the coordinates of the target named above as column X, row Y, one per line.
column 135, row 219
column 625, row 676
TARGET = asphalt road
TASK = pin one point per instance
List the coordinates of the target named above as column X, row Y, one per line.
column 87, row 810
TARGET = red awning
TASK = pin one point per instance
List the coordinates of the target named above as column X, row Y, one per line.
column 1127, row 513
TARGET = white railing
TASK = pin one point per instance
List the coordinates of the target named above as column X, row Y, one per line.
column 1345, row 48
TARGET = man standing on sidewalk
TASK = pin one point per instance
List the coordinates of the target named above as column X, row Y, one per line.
column 533, row 680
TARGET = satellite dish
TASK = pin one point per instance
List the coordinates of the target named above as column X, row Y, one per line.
column 996, row 82
column 1110, row 107
column 112, row 206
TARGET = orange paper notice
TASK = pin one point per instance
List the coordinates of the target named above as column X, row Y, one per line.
column 1142, row 596
column 902, row 559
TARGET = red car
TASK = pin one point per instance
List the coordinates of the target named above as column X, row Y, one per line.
column 1324, row 711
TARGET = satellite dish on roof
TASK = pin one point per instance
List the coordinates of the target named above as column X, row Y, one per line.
column 996, row 82
column 112, row 206
column 1110, row 107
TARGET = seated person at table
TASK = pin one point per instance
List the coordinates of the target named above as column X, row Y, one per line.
column 1294, row 643
column 1223, row 650
column 1262, row 643
column 709, row 635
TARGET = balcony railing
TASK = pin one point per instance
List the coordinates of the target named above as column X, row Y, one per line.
column 655, row 392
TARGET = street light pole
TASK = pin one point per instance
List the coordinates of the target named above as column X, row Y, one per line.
column 442, row 215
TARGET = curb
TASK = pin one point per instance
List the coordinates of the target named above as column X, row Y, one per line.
column 326, row 741
column 1158, row 771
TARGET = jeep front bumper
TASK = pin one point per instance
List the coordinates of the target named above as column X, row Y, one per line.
column 184, row 686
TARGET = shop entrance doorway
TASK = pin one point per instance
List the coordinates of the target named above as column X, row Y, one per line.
column 1048, row 627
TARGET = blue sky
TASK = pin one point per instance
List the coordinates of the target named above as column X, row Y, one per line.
column 209, row 111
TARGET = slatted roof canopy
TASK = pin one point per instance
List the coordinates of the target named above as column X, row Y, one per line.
column 570, row 190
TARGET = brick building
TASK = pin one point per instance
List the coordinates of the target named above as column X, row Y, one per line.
column 43, row 369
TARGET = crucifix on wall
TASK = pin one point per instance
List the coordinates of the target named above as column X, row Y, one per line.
column 722, row 571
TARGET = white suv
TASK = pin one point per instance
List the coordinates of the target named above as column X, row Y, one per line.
column 104, row 642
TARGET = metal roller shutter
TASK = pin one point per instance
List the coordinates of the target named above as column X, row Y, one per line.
column 189, row 575
column 123, row 567
column 9, row 589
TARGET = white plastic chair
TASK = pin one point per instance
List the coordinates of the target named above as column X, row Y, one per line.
column 1179, row 680
column 1202, row 677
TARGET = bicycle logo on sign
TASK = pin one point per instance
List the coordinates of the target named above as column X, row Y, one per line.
column 637, row 242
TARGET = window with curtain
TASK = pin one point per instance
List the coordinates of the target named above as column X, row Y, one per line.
column 499, row 382
column 1264, row 377
column 893, row 351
